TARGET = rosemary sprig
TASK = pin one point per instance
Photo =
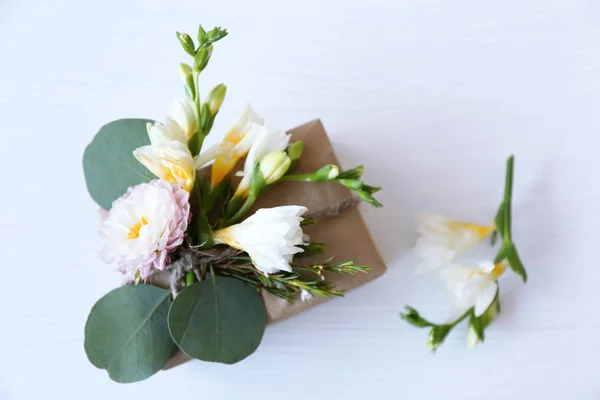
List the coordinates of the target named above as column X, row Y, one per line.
column 288, row 285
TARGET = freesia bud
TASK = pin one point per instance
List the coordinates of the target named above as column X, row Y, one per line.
column 326, row 173
column 216, row 97
column 202, row 57
column 186, row 42
column 294, row 150
column 185, row 71
column 436, row 336
column 274, row 165
column 472, row 337
column 201, row 36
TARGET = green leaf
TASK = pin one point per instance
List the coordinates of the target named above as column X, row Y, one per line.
column 515, row 262
column 127, row 334
column 499, row 220
column 201, row 232
column 108, row 162
column 413, row 317
column 219, row 320
column 354, row 173
column 257, row 182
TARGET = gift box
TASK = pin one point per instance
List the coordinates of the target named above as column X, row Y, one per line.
column 339, row 225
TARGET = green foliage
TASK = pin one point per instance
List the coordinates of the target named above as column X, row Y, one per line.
column 109, row 166
column 350, row 179
column 438, row 332
column 219, row 320
column 508, row 250
column 288, row 285
column 126, row 332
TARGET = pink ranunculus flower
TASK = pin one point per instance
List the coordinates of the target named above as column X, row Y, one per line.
column 144, row 226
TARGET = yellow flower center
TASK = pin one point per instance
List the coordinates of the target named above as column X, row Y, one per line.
column 134, row 232
column 498, row 270
column 175, row 174
column 225, row 236
column 480, row 230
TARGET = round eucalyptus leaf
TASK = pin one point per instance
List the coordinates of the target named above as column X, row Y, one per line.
column 220, row 320
column 127, row 334
column 108, row 162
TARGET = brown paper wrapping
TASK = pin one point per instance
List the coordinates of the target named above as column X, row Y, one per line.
column 345, row 235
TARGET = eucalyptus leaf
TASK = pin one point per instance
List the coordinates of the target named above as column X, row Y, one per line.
column 127, row 334
column 108, row 162
column 219, row 320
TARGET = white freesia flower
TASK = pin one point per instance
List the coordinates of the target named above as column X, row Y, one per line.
column 270, row 237
column 473, row 287
column 183, row 113
column 442, row 239
column 162, row 133
column 170, row 161
column 235, row 145
column 267, row 140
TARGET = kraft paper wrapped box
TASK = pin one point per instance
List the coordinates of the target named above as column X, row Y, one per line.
column 345, row 234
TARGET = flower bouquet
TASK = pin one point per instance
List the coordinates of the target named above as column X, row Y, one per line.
column 184, row 226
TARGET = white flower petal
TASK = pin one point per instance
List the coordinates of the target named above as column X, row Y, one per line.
column 485, row 298
column 270, row 237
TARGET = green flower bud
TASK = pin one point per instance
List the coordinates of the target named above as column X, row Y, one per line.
column 294, row 150
column 215, row 98
column 201, row 36
column 473, row 337
column 202, row 57
column 436, row 336
column 185, row 71
column 326, row 173
column 274, row 165
column 187, row 43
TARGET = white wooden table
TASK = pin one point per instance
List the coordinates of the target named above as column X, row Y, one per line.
column 431, row 95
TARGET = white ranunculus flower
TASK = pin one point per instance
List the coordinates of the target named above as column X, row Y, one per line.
column 233, row 147
column 183, row 113
column 473, row 287
column 270, row 237
column 267, row 140
column 144, row 226
column 442, row 239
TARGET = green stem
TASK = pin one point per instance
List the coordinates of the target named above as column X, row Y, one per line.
column 242, row 211
column 197, row 103
column 507, row 234
column 297, row 178
column 465, row 315
column 189, row 278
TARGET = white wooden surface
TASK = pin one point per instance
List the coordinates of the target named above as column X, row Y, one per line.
column 431, row 95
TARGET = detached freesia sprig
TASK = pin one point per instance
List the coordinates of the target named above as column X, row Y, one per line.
column 474, row 290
